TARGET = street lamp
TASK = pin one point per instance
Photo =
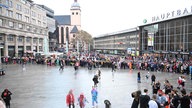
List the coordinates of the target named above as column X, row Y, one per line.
column 136, row 43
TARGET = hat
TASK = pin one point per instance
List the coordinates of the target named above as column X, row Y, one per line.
column 160, row 91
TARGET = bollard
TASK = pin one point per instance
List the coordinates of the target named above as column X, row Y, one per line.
column 107, row 104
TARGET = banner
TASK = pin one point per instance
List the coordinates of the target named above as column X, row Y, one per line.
column 150, row 39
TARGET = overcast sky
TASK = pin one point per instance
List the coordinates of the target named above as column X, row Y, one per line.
column 107, row 16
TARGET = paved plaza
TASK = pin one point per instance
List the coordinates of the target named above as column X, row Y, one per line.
column 41, row 86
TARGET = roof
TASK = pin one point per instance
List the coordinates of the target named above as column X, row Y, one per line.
column 63, row 19
column 74, row 30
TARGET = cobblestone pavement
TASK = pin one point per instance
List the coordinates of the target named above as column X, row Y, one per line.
column 41, row 86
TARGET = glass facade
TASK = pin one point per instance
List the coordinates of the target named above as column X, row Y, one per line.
column 168, row 37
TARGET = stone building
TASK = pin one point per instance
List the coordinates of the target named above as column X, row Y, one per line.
column 23, row 28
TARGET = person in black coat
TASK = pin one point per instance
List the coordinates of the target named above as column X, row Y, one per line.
column 95, row 80
column 185, row 100
column 139, row 77
column 6, row 96
column 136, row 96
column 61, row 63
column 153, row 78
column 144, row 99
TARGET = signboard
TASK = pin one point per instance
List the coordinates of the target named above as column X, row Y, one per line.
column 150, row 39
column 129, row 50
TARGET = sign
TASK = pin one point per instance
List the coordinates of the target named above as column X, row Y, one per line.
column 150, row 39
column 129, row 50
column 171, row 14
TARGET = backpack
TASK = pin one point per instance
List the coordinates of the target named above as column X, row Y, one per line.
column 158, row 104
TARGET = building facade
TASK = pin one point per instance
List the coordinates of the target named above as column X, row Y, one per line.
column 23, row 28
column 68, row 26
column 51, row 25
column 168, row 35
column 122, row 42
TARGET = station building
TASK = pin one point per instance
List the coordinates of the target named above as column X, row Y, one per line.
column 121, row 42
column 168, row 35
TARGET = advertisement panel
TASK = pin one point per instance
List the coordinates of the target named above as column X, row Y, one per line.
column 129, row 50
column 150, row 39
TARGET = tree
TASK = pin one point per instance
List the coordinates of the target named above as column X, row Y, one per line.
column 83, row 38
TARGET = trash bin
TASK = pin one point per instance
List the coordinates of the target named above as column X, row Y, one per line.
column 107, row 104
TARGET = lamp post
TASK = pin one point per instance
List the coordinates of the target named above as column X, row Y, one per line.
column 136, row 43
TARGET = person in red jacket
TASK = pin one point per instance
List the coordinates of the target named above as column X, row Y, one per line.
column 70, row 100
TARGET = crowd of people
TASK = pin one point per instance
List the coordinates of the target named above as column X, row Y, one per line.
column 166, row 97
column 163, row 95
column 161, row 99
column 150, row 63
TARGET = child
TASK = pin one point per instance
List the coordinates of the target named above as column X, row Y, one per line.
column 82, row 99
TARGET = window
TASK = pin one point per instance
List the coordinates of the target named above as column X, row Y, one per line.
column 39, row 16
column 11, row 24
column 1, row 22
column 39, row 23
column 18, row 7
column 44, row 24
column 9, row 3
column 40, row 40
column 33, row 14
column 33, row 21
column 44, row 18
column 20, row 39
column 18, row 16
column 10, row 38
column 28, row 28
column 76, row 13
column 1, row 38
column 0, row 10
column 35, row 30
column 26, row 11
column 20, row 26
column 9, row 13
column 40, row 48
column 72, row 13
column 28, row 39
column 40, row 31
column 27, row 19
column 34, row 40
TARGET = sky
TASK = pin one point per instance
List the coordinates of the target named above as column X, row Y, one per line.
column 100, row 17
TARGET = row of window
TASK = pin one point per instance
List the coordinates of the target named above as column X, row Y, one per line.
column 17, row 25
column 9, row 3
column 11, row 38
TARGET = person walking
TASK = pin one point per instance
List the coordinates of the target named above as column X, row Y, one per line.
column 144, row 99
column 185, row 100
column 95, row 80
column 152, row 103
column 6, row 96
column 70, row 100
column 82, row 100
column 61, row 63
column 153, row 78
column 139, row 77
column 94, row 94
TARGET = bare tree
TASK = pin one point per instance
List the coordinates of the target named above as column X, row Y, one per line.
column 83, row 38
